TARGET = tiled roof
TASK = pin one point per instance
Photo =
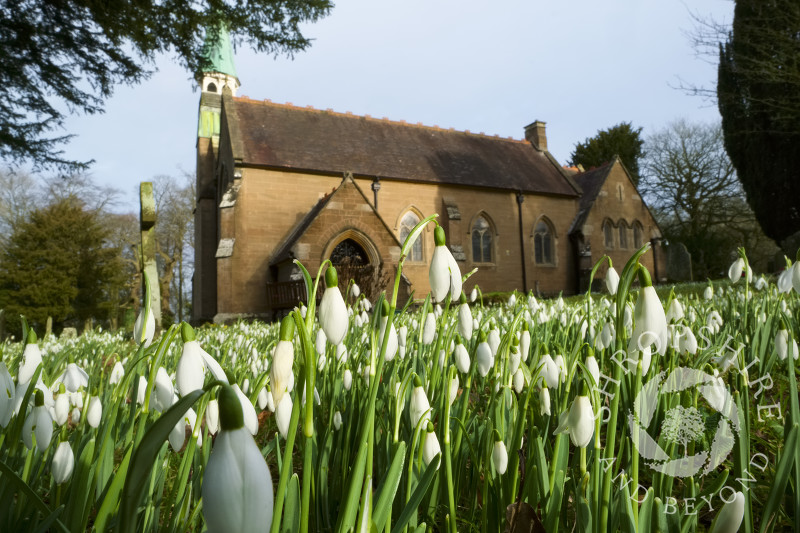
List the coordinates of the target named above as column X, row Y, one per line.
column 590, row 182
column 306, row 139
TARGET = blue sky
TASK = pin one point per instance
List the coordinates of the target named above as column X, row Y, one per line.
column 578, row 65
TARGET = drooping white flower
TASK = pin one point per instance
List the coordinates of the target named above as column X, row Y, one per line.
column 144, row 332
column 578, row 422
column 333, row 317
column 283, row 414
column 355, row 290
column 430, row 447
column 465, row 320
column 117, row 373
column 391, row 341
column 248, row 411
column 650, row 325
column 675, row 311
column 237, row 485
column 518, row 380
column 473, row 295
column 499, row 455
column 484, row 357
column 782, row 344
column 494, row 339
column 282, row 361
column 164, row 391
column 453, row 391
column 73, row 378
column 347, row 379
column 688, row 342
column 708, row 293
column 785, row 281
column 760, row 283
column 39, row 423
column 730, row 516
column 544, row 401
column 461, row 356
column 514, row 359
column 550, row 372
column 337, row 420
column 444, row 274
column 61, row 409
column 562, row 367
column 31, row 359
column 429, row 330
column 319, row 343
column 63, row 463
column 612, row 280
column 94, row 411
column 212, row 417
column 736, row 270
column 594, row 369
column 418, row 406
column 525, row 342
column 7, row 395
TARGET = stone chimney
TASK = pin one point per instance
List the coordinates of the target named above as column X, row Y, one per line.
column 535, row 134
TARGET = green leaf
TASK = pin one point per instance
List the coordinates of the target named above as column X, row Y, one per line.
column 111, row 499
column 389, row 485
column 144, row 457
column 784, row 469
column 419, row 493
column 11, row 476
column 291, row 509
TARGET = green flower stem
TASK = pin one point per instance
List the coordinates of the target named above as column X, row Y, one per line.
column 447, row 459
column 286, row 467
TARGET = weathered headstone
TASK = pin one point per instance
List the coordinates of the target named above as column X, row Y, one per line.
column 679, row 262
column 69, row 333
column 88, row 326
column 2, row 324
column 147, row 217
column 48, row 328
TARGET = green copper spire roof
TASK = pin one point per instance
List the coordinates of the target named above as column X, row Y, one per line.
column 219, row 53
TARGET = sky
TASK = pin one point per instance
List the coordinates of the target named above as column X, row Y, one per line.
column 493, row 67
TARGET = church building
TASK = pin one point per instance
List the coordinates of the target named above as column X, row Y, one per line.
column 278, row 182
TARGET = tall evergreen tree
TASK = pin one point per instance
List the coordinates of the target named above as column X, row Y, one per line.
column 59, row 263
column 622, row 140
column 758, row 91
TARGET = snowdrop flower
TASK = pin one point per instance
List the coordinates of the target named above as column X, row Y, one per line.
column 544, row 401
column 237, row 485
column 341, row 353
column 484, row 356
column 550, row 372
column 144, row 329
column 263, row 398
column 319, row 344
column 612, row 280
column 141, row 390
column 333, row 317
column 736, row 270
column 347, row 379
column 464, row 319
column 594, row 369
column 38, row 422
column 76, row 415
column 31, row 358
column 499, row 455
column 761, row 283
column 461, row 356
column 525, row 342
column 444, row 274
column 73, row 378
column 708, row 293
column 248, row 411
column 453, row 389
column 494, row 339
column 419, row 406
column 7, row 395
column 513, row 359
column 282, row 360
column 337, row 420
column 473, row 295
column 355, row 290
column 650, row 322
column 785, row 281
column 402, row 332
column 94, row 412
column 562, row 367
column 430, row 448
column 61, row 409
column 729, row 518
column 190, row 373
column 283, row 414
column 518, row 380
column 429, row 330
column 212, row 417
column 391, row 341
column 63, row 463
column 578, row 422
column 117, row 373
column 715, row 393
column 688, row 342
column 164, row 391
column 782, row 343
column 512, row 301
column 675, row 311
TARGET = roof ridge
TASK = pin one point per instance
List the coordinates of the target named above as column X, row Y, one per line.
column 350, row 114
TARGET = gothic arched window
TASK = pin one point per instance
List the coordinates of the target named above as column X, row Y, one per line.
column 543, row 243
column 481, row 241
column 349, row 252
column 608, row 235
column 638, row 232
column 407, row 224
column 623, row 235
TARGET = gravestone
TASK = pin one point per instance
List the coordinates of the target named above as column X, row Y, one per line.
column 679, row 262
column 48, row 328
column 69, row 333
column 147, row 218
column 2, row 324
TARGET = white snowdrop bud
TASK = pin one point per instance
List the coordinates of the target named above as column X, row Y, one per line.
column 283, row 415
column 418, row 406
column 281, row 370
column 429, row 330
column 612, row 280
column 484, row 357
column 337, row 420
column 519, row 380
column 430, row 448
column 499, row 455
column 453, row 388
column 461, row 357
column 444, row 274
column 248, row 411
column 730, row 516
column 262, row 398
column 62, row 409
column 94, row 411
column 320, row 342
column 347, row 379
column 578, row 422
column 550, row 372
column 212, row 417
column 63, row 463
column 333, row 317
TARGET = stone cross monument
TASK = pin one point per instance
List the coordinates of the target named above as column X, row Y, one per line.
column 147, row 218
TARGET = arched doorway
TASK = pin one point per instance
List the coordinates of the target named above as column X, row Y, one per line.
column 349, row 253
column 356, row 257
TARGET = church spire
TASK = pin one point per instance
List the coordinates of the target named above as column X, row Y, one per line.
column 221, row 70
